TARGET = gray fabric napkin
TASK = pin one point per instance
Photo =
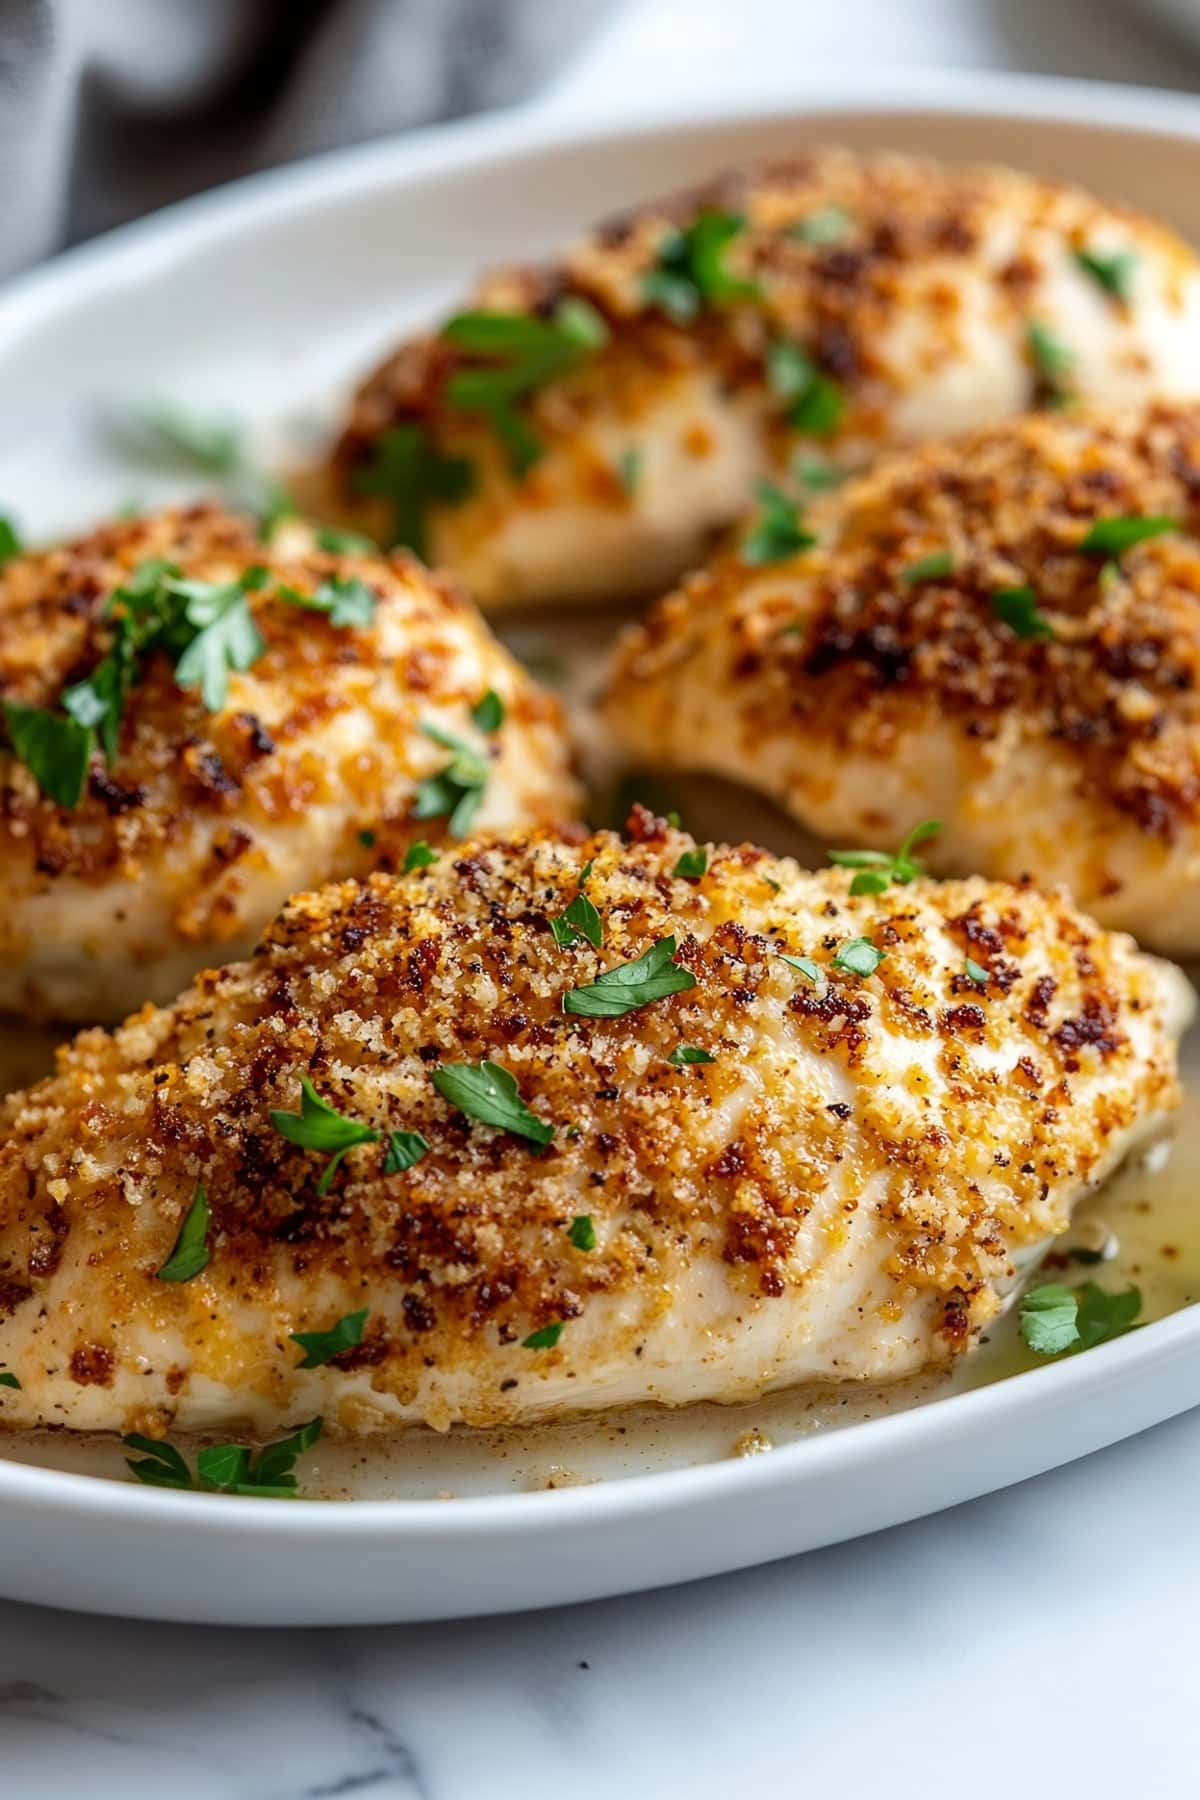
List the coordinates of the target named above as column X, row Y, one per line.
column 111, row 107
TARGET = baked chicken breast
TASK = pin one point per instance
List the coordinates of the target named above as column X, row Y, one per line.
column 1001, row 632
column 583, row 429
column 557, row 1182
column 197, row 724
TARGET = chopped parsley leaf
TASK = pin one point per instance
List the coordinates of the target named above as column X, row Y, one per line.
column 457, row 789
column 406, row 469
column 934, row 567
column 10, row 541
column 225, row 634
column 685, row 1054
column 629, row 469
column 226, row 1468
column 817, row 476
column 321, row 1347
column 319, row 1126
column 1048, row 1318
column 1113, row 270
column 816, row 402
column 1018, row 608
column 191, row 1253
column 880, row 868
column 418, row 856
column 579, row 919
column 859, row 957
column 583, row 1232
column 1109, row 537
column 55, row 750
column 976, row 972
column 806, row 966
column 1104, row 1316
column 405, row 1149
column 367, row 839
column 545, row 1339
column 690, row 273
column 1053, row 364
column 488, row 712
column 487, row 1092
column 343, row 599
column 828, row 225
column 8, row 1379
column 692, row 864
column 521, row 354
column 345, row 543
column 651, row 976
column 778, row 530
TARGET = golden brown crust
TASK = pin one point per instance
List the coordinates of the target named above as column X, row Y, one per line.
column 367, row 987
column 842, row 299
column 837, row 637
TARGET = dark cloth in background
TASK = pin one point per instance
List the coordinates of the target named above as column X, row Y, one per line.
column 109, row 108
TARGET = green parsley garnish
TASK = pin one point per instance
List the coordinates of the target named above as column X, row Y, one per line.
column 859, row 957
column 805, row 964
column 225, row 634
column 321, row 1347
column 522, row 354
column 828, row 225
column 487, row 1092
column 579, row 919
column 406, row 469
column 1048, row 1318
column 55, row 750
column 164, row 431
column 651, row 976
column 816, row 475
column 1113, row 270
column 7, row 1378
column 1053, row 363
column 226, row 1468
column 629, row 469
column 1018, row 608
column 367, row 839
column 488, row 712
column 457, row 789
column 778, row 531
column 691, row 273
column 934, row 567
column 880, row 868
column 418, row 856
column 319, row 1126
column 1055, row 1317
column 404, row 1151
column 975, row 972
column 692, row 864
column 10, row 540
column 685, row 1054
column 583, row 1233
column 816, row 402
column 191, row 1253
column 1109, row 537
column 345, row 543
column 344, row 600
column 545, row 1339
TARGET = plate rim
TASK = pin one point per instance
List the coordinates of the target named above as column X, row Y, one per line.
column 122, row 254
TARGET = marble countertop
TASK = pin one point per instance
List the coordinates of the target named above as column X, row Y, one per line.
column 1044, row 1636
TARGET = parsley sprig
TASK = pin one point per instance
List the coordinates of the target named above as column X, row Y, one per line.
column 778, row 530
column 651, row 976
column 1055, row 1318
column 455, row 790
column 517, row 354
column 881, row 869
column 319, row 1126
column 579, row 919
column 816, row 404
column 407, row 470
column 690, row 273
column 266, row 1474
column 488, row 1092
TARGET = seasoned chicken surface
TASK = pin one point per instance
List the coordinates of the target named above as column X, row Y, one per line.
column 832, row 1183
column 586, row 427
column 315, row 761
column 977, row 637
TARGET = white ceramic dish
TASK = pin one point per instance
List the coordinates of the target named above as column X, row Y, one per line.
column 266, row 299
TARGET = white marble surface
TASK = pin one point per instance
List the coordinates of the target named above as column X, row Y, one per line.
column 1042, row 1640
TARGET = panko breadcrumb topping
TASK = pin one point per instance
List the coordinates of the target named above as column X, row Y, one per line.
column 837, row 1193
